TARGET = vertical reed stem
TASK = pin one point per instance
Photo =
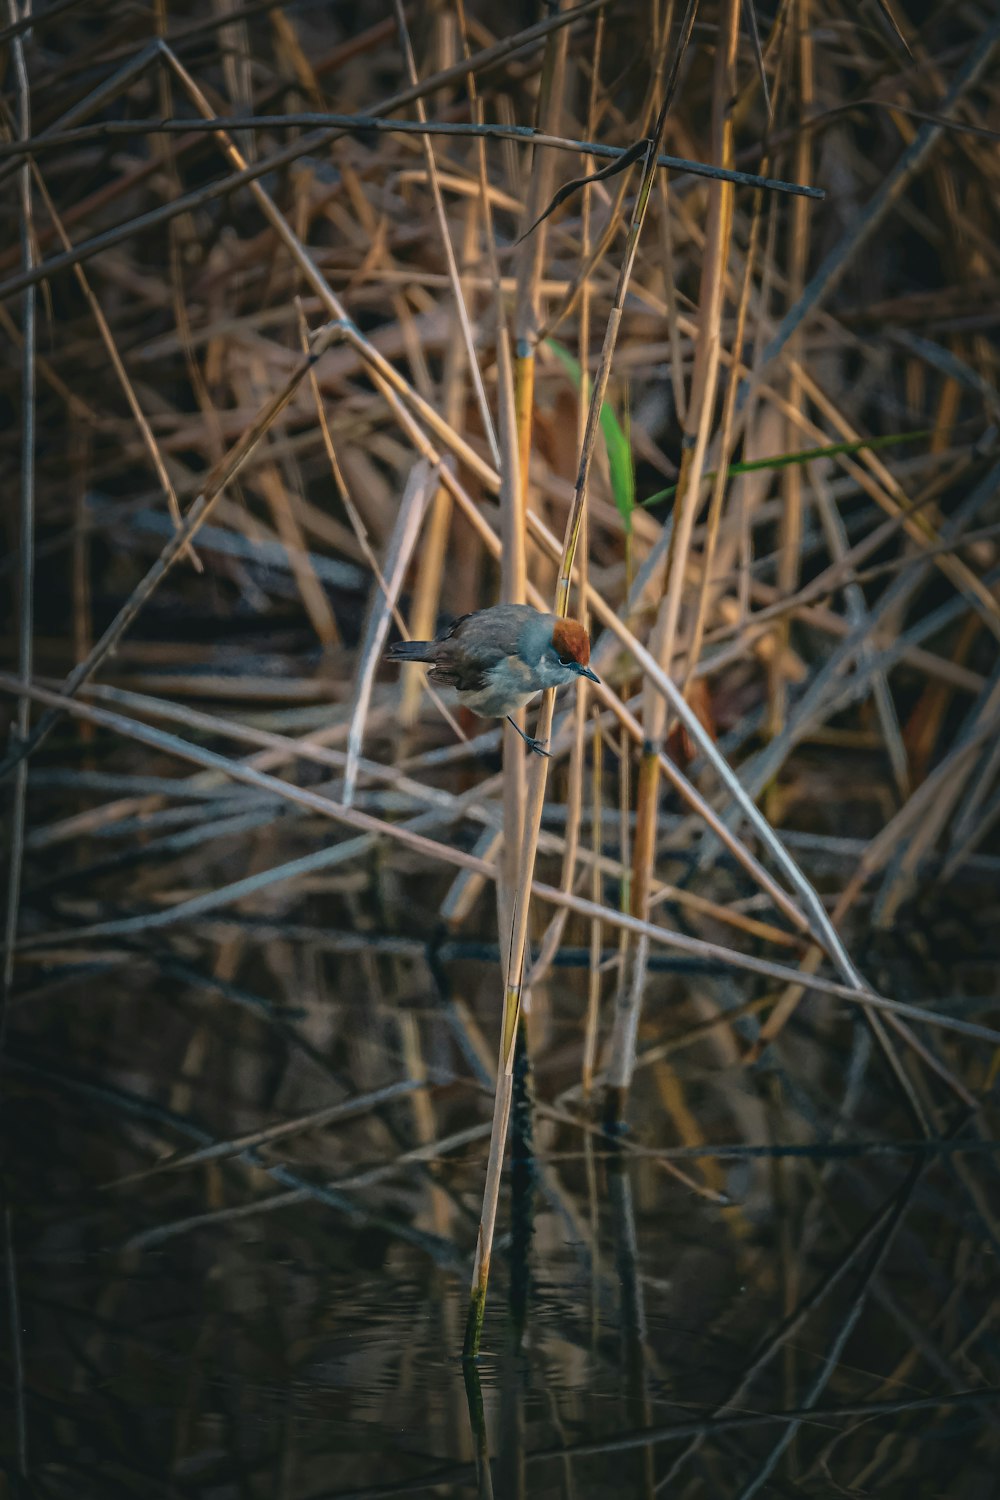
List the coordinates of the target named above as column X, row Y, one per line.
column 621, row 1061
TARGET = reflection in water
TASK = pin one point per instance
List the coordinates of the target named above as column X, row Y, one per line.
column 241, row 1239
column 302, row 1344
column 633, row 1319
column 477, row 1422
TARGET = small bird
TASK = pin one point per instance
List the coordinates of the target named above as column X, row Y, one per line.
column 499, row 659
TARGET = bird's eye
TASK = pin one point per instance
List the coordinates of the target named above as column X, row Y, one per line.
column 567, row 661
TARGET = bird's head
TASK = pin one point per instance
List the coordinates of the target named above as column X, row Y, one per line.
column 559, row 650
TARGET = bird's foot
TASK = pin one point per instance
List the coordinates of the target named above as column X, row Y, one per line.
column 537, row 746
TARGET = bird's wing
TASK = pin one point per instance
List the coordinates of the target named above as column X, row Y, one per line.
column 449, row 668
column 505, row 619
column 454, row 627
column 463, row 675
column 452, row 667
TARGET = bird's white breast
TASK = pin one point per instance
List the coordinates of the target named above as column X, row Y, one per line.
column 509, row 686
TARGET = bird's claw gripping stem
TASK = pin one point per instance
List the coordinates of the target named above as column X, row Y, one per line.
column 532, row 744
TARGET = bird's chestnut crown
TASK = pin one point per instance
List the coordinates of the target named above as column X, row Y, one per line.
column 571, row 643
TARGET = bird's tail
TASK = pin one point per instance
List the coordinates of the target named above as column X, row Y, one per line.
column 411, row 651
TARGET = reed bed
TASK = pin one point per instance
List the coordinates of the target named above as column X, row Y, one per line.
column 325, row 323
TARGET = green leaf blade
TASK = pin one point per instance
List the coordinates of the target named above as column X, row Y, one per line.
column 616, row 443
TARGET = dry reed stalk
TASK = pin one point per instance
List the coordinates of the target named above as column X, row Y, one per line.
column 402, row 543
column 724, row 449
column 521, row 821
column 344, row 125
column 344, row 495
column 513, row 590
column 128, row 389
column 621, row 1047
column 268, row 479
column 520, row 915
column 428, row 584
column 856, row 610
column 182, row 234
column 553, row 935
column 531, row 262
column 594, row 972
column 22, row 717
column 445, row 237
column 511, row 916
column 425, row 606
column 531, row 250
column 799, row 40
column 288, row 526
column 26, row 601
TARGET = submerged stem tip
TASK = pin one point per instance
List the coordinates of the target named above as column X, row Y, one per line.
column 474, row 1323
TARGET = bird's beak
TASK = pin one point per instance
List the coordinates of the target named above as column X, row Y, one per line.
column 586, row 672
